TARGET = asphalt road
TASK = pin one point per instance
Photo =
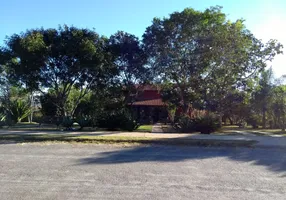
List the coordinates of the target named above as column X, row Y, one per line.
column 73, row 171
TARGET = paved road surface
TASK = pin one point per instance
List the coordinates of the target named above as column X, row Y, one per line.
column 66, row 171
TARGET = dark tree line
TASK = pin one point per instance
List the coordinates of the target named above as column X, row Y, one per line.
column 200, row 59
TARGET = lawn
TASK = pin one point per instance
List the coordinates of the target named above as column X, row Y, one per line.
column 145, row 128
column 74, row 138
column 122, row 140
column 257, row 131
column 51, row 127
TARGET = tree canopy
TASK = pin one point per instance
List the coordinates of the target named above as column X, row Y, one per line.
column 204, row 53
column 200, row 59
column 59, row 59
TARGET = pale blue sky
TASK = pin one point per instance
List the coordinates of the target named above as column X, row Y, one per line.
column 265, row 18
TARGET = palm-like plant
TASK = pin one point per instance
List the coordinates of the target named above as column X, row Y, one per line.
column 19, row 110
column 2, row 116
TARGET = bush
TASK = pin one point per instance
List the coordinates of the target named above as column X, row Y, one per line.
column 253, row 120
column 203, row 124
column 19, row 110
column 83, row 122
column 115, row 120
column 185, row 124
column 2, row 123
column 38, row 117
column 110, row 120
column 207, row 124
column 67, row 123
column 128, row 123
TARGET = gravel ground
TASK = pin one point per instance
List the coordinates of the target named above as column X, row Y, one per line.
column 78, row 171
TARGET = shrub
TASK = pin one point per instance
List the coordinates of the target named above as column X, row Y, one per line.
column 19, row 110
column 2, row 123
column 253, row 120
column 185, row 124
column 67, row 122
column 110, row 120
column 83, row 122
column 207, row 124
column 119, row 119
column 128, row 123
column 203, row 124
column 38, row 117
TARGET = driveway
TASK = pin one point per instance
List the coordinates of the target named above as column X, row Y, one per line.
column 78, row 171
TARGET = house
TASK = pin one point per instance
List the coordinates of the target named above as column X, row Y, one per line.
column 148, row 106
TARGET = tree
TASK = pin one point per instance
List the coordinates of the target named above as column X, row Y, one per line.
column 263, row 93
column 176, row 47
column 279, row 105
column 48, row 108
column 130, row 60
column 204, row 53
column 236, row 107
column 59, row 59
column 236, row 57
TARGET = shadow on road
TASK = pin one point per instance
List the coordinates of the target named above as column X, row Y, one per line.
column 273, row 159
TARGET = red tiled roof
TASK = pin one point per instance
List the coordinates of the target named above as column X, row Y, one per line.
column 147, row 87
column 150, row 102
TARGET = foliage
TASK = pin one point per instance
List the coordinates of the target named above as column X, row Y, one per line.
column 200, row 59
column 2, row 117
column 19, row 110
column 48, row 108
column 128, row 123
column 204, row 56
column 67, row 122
column 130, row 60
column 83, row 122
column 239, row 56
column 186, row 124
column 203, row 124
column 119, row 119
column 236, row 107
column 177, row 49
column 59, row 59
column 207, row 124
column 38, row 117
column 278, row 106
column 261, row 97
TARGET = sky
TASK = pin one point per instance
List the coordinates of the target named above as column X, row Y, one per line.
column 266, row 19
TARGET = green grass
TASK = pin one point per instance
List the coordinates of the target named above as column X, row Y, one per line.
column 72, row 138
column 25, row 138
column 145, row 128
column 35, row 127
column 230, row 130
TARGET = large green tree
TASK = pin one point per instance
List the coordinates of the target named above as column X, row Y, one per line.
column 236, row 58
column 59, row 59
column 278, row 106
column 261, row 96
column 204, row 53
column 130, row 60
column 177, row 47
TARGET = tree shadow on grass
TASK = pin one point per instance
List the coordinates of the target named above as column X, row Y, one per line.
column 273, row 159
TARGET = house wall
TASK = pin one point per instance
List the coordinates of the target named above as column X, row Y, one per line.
column 149, row 94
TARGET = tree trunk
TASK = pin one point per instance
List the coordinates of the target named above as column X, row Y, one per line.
column 264, row 117
column 283, row 123
column 220, row 119
column 230, row 121
column 32, row 108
